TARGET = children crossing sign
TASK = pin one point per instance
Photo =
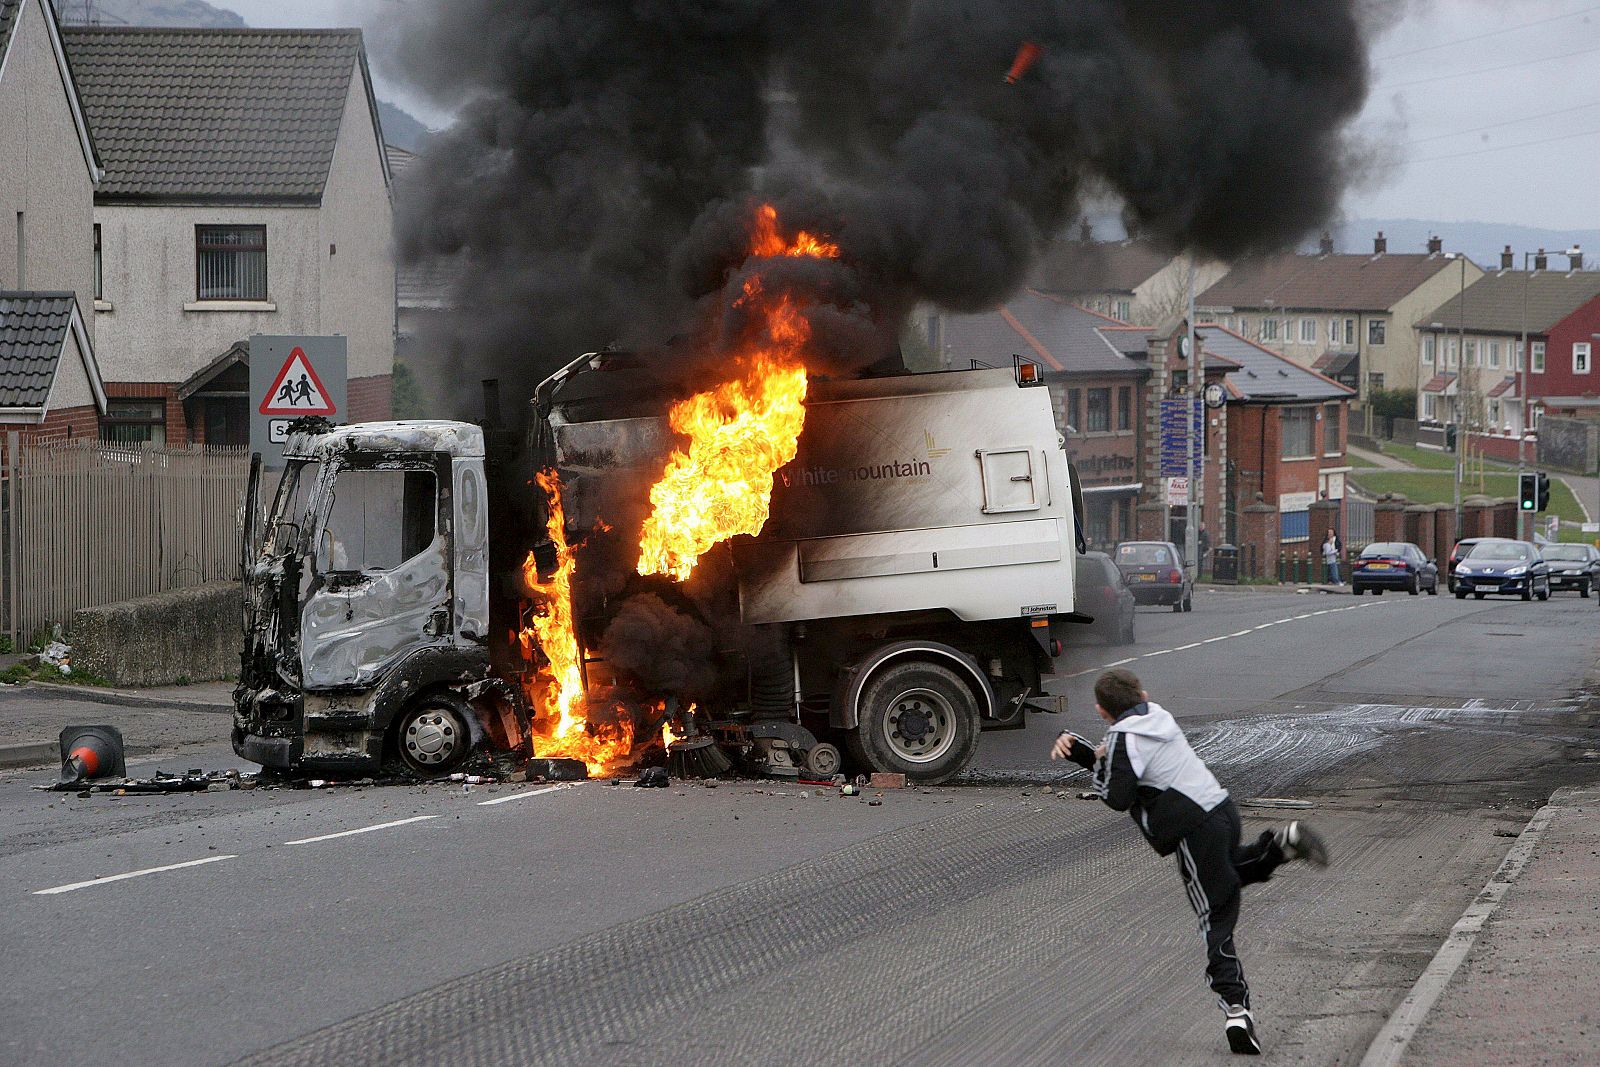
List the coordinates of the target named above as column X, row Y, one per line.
column 290, row 378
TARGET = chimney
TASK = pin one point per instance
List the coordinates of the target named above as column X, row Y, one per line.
column 1327, row 243
column 1541, row 261
column 1507, row 259
column 1576, row 259
column 1435, row 245
column 1085, row 232
column 1380, row 244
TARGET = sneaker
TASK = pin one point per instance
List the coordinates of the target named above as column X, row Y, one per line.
column 1301, row 842
column 1240, row 1030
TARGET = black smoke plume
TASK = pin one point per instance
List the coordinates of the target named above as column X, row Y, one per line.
column 598, row 185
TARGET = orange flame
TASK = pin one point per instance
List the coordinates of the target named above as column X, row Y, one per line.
column 562, row 727
column 740, row 433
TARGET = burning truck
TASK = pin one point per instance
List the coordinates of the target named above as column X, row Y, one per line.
column 797, row 572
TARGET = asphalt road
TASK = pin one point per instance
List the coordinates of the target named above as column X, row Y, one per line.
column 1001, row 921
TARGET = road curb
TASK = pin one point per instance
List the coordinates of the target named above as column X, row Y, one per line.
column 123, row 698
column 29, row 754
column 1394, row 1038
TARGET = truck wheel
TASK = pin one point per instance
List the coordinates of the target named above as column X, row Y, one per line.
column 917, row 719
column 432, row 737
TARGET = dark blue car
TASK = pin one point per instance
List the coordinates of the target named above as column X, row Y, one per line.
column 1398, row 565
column 1508, row 568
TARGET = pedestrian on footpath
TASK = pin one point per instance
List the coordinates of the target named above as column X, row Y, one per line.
column 1146, row 768
column 1331, row 548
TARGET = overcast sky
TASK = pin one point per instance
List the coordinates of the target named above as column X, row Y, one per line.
column 1458, row 86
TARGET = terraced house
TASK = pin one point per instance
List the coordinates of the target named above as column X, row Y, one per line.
column 245, row 191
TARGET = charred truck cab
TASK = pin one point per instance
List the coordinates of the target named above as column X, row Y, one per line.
column 910, row 589
column 366, row 606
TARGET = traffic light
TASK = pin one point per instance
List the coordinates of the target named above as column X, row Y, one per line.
column 1528, row 492
column 1544, row 491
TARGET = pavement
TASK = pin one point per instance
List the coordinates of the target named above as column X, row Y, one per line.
column 151, row 720
column 1001, row 921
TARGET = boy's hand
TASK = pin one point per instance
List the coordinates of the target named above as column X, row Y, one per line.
column 1069, row 746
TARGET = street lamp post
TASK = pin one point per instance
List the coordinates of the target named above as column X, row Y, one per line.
column 1191, row 551
column 1461, row 379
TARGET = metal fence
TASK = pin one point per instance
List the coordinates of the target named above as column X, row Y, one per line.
column 86, row 524
column 1358, row 522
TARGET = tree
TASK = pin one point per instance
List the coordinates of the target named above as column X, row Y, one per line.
column 1393, row 403
column 405, row 400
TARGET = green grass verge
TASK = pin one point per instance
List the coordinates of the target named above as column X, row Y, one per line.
column 1439, row 488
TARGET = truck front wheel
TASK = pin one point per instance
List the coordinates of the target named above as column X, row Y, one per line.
column 432, row 737
column 917, row 719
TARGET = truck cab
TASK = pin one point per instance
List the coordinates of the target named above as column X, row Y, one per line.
column 366, row 607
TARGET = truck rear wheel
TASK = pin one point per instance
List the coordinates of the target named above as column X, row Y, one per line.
column 918, row 719
column 432, row 736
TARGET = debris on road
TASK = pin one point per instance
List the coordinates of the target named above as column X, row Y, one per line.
column 89, row 752
column 887, row 780
column 653, row 778
column 1276, row 802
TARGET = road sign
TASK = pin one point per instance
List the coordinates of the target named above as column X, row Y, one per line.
column 291, row 377
column 1176, row 444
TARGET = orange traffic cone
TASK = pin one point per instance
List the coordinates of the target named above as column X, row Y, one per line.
column 91, row 752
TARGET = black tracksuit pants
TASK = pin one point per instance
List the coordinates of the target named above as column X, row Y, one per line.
column 1214, row 868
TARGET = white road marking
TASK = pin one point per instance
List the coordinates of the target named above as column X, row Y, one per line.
column 362, row 830
column 519, row 796
column 131, row 874
column 1161, row 652
column 1390, row 1045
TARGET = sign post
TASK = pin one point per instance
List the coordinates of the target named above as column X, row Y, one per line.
column 291, row 377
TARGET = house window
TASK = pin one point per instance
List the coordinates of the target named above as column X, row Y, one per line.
column 1072, row 410
column 1375, row 380
column 1099, row 411
column 1472, row 354
column 1428, row 406
column 1308, row 331
column 1429, row 343
column 1333, row 331
column 1244, row 326
column 1376, row 329
column 1516, row 354
column 1330, row 429
column 1494, row 413
column 1349, row 331
column 230, row 262
column 99, row 286
column 1451, row 352
column 1125, row 408
column 1537, row 354
column 135, row 421
column 1269, row 329
column 1298, row 426
column 1494, row 354
column 1124, row 309
column 1580, row 357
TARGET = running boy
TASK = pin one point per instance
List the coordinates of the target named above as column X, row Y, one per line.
column 1146, row 768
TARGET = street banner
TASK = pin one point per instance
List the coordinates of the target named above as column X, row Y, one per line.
column 291, row 377
column 1176, row 444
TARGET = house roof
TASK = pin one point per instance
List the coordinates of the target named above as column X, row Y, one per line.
column 426, row 285
column 1334, row 363
column 1101, row 266
column 1493, row 303
column 1324, row 282
column 1265, row 376
column 1504, row 386
column 33, row 335
column 238, row 354
column 9, row 10
column 215, row 115
column 1054, row 332
column 1439, row 383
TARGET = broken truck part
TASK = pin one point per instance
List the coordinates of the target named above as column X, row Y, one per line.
column 910, row 588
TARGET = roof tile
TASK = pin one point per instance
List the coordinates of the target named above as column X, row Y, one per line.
column 1323, row 282
column 1494, row 303
column 213, row 114
column 33, row 327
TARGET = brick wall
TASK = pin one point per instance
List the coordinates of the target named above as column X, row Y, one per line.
column 371, row 399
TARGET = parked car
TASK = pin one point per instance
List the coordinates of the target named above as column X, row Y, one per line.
column 1573, row 567
column 1459, row 552
column 1155, row 573
column 1394, row 565
column 1102, row 593
column 1510, row 568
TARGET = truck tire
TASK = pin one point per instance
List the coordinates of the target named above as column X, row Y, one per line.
column 432, row 736
column 917, row 719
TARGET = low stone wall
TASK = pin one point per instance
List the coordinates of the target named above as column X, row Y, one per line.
column 182, row 635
